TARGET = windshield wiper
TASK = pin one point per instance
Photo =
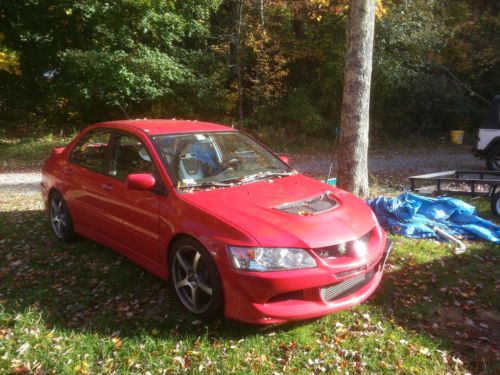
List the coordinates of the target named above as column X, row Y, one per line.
column 253, row 177
column 207, row 184
column 263, row 175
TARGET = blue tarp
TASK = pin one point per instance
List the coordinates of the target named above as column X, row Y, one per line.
column 415, row 216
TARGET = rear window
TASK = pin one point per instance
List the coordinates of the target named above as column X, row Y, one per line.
column 91, row 151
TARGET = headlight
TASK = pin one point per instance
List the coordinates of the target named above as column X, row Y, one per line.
column 270, row 259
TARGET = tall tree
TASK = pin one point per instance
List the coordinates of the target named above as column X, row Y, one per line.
column 353, row 141
column 81, row 56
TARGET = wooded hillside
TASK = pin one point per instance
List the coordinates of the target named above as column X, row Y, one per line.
column 260, row 63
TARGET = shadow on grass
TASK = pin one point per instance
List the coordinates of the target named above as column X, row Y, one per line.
column 83, row 286
column 454, row 299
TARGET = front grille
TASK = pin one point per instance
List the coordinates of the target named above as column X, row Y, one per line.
column 346, row 287
column 342, row 249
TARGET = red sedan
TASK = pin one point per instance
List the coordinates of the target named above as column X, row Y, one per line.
column 233, row 227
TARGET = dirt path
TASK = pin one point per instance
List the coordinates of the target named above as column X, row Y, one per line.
column 20, row 183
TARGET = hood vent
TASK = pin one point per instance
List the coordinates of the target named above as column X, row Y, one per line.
column 309, row 206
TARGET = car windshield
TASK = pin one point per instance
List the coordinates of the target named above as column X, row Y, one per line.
column 216, row 159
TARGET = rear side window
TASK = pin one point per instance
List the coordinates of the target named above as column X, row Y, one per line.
column 92, row 150
column 131, row 157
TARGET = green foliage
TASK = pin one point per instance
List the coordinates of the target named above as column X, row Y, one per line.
column 296, row 111
column 119, row 77
column 91, row 57
column 412, row 89
column 70, row 62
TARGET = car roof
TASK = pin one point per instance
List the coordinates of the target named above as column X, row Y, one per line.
column 157, row 126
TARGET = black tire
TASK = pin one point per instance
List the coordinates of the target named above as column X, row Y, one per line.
column 195, row 280
column 60, row 218
column 495, row 204
column 493, row 158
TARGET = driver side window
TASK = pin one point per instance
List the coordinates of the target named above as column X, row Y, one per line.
column 131, row 156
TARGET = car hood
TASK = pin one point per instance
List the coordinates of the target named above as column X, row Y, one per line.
column 258, row 209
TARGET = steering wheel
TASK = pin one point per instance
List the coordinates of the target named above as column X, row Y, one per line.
column 231, row 164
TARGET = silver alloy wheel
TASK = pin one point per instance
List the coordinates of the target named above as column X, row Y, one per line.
column 58, row 216
column 191, row 279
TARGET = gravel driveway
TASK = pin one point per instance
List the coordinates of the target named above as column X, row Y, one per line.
column 20, row 183
column 392, row 166
column 398, row 162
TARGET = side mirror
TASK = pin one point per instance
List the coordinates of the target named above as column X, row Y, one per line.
column 284, row 158
column 140, row 181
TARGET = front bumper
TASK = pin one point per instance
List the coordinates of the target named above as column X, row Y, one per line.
column 300, row 294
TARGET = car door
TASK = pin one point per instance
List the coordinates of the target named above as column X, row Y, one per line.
column 132, row 215
column 85, row 174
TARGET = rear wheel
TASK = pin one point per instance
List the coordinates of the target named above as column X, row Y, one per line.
column 195, row 280
column 493, row 158
column 495, row 204
column 60, row 218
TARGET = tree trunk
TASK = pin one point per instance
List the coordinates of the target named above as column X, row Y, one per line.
column 235, row 65
column 260, row 52
column 353, row 141
column 261, row 13
column 238, row 62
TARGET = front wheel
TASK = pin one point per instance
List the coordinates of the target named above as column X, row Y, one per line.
column 195, row 280
column 493, row 158
column 60, row 218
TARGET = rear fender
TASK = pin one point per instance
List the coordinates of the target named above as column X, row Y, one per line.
column 487, row 138
column 492, row 143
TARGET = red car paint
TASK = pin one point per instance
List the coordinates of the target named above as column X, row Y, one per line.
column 141, row 224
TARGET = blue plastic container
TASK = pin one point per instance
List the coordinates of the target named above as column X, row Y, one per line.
column 331, row 181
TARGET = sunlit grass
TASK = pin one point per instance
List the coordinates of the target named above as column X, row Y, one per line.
column 81, row 308
column 23, row 153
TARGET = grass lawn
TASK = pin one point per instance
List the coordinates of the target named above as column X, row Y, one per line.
column 81, row 308
column 28, row 153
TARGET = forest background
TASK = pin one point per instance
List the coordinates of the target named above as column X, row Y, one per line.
column 268, row 66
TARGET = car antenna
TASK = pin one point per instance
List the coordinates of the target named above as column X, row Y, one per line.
column 332, row 157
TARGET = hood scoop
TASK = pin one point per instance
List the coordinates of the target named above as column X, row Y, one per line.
column 309, row 206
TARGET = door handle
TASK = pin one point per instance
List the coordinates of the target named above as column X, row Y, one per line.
column 107, row 187
column 68, row 171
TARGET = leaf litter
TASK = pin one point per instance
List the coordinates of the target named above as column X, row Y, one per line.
column 82, row 290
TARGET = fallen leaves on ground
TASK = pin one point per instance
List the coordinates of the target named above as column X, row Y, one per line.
column 82, row 308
